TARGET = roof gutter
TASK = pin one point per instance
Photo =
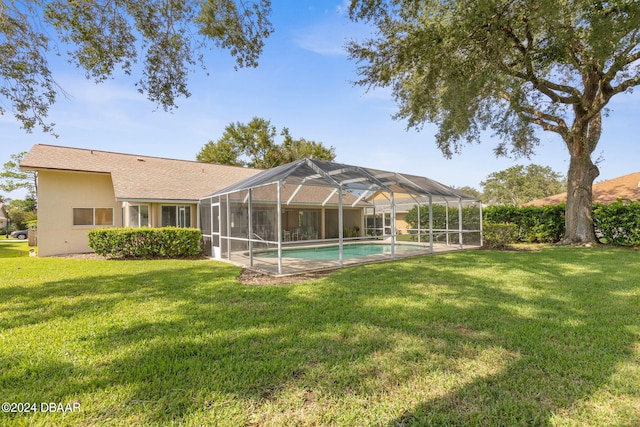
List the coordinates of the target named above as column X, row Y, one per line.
column 173, row 201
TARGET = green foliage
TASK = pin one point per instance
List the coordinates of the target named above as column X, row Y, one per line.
column 166, row 242
column 442, row 214
column 349, row 232
column 20, row 218
column 504, row 65
column 13, row 178
column 471, row 191
column 534, row 224
column 511, row 67
column 519, row 184
column 21, row 213
column 499, row 236
column 253, row 145
column 619, row 222
column 166, row 37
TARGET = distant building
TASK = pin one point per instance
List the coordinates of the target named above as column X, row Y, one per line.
column 605, row 192
column 4, row 216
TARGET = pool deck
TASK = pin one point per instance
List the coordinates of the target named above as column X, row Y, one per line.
column 292, row 266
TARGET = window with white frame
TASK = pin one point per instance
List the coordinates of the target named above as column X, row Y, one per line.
column 92, row 216
column 138, row 215
column 176, row 216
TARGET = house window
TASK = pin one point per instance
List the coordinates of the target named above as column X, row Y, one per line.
column 92, row 216
column 138, row 216
column 176, row 216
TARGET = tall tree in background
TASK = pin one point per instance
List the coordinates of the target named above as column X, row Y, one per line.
column 510, row 66
column 253, row 145
column 13, row 178
column 519, row 184
column 471, row 191
column 167, row 37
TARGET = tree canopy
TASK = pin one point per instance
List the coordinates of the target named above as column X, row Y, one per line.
column 167, row 37
column 519, row 184
column 13, row 178
column 469, row 190
column 254, row 145
column 511, row 67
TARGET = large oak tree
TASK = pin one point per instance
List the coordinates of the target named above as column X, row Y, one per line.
column 511, row 66
column 167, row 37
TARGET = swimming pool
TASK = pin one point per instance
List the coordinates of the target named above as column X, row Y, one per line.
column 350, row 251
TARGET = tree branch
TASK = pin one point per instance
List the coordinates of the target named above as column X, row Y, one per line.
column 624, row 86
column 545, row 86
column 546, row 121
column 622, row 59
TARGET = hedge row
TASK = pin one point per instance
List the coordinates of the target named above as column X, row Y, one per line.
column 442, row 216
column 533, row 224
column 167, row 242
column 617, row 223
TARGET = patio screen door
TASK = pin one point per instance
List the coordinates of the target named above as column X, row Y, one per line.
column 387, row 224
column 215, row 230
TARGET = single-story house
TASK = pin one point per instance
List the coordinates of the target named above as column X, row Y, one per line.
column 80, row 189
column 239, row 210
column 605, row 192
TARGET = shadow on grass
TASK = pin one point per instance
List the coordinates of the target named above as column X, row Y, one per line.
column 11, row 248
column 507, row 338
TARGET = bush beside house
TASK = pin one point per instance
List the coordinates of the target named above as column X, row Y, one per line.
column 617, row 223
column 544, row 224
column 166, row 242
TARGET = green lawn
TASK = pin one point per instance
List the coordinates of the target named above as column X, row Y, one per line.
column 10, row 247
column 548, row 337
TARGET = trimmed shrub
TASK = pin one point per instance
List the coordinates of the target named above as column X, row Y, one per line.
column 470, row 217
column 167, row 242
column 543, row 224
column 499, row 236
column 618, row 223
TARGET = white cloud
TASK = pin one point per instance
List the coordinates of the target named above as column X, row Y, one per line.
column 326, row 38
column 330, row 34
column 343, row 9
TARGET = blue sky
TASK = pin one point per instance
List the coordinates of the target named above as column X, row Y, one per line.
column 303, row 82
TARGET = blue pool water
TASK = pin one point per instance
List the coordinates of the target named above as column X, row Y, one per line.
column 329, row 253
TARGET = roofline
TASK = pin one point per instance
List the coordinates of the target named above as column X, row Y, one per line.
column 38, row 168
column 171, row 201
column 132, row 155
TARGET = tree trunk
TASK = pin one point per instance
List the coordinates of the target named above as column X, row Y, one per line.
column 578, row 218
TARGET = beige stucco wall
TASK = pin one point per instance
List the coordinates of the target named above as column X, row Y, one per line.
column 58, row 194
column 401, row 224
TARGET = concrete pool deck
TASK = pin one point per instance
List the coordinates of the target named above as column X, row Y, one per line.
column 293, row 266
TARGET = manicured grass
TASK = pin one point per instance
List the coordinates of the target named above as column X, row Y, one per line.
column 548, row 338
column 10, row 248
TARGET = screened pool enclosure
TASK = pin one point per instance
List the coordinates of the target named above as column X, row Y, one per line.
column 312, row 215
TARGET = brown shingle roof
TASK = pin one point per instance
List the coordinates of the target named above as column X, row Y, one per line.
column 605, row 192
column 140, row 177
